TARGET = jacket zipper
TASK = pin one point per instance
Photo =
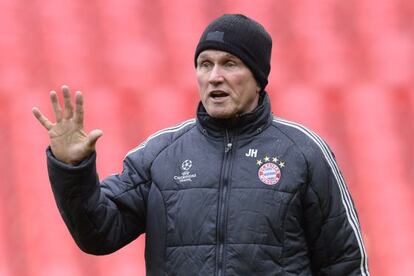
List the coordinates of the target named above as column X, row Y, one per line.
column 224, row 184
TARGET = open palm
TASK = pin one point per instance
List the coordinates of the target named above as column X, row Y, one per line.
column 68, row 140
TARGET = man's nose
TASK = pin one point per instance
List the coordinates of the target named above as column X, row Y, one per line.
column 216, row 75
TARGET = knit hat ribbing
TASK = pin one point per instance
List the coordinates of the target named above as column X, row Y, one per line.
column 242, row 37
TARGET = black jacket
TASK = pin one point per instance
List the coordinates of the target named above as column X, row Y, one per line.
column 257, row 195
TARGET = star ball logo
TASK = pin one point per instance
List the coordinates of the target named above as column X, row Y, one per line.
column 270, row 170
column 186, row 165
column 186, row 175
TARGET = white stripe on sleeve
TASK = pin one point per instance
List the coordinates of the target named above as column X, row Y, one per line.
column 345, row 196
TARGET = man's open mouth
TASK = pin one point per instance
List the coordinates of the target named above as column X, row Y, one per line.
column 218, row 94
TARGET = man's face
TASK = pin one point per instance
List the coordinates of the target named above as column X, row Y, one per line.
column 227, row 86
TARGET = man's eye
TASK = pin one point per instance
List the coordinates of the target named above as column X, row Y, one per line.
column 204, row 64
column 230, row 64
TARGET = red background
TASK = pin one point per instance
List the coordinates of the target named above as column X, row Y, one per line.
column 342, row 68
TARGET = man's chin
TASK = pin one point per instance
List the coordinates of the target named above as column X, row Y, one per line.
column 220, row 114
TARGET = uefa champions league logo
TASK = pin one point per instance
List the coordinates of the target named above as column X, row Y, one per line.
column 185, row 176
column 187, row 164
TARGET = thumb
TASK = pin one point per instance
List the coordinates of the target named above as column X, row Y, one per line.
column 93, row 136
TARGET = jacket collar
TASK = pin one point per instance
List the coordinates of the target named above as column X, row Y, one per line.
column 247, row 124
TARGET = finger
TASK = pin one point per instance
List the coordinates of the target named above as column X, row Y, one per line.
column 41, row 118
column 79, row 108
column 68, row 113
column 56, row 107
column 93, row 137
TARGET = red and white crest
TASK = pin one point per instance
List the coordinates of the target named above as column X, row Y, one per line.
column 269, row 173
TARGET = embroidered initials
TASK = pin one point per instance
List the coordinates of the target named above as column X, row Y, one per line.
column 252, row 153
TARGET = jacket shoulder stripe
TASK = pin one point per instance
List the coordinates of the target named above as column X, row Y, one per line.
column 161, row 132
column 346, row 198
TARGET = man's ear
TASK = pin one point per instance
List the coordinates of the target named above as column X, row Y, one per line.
column 258, row 88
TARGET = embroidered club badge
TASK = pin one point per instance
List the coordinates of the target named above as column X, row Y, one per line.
column 269, row 173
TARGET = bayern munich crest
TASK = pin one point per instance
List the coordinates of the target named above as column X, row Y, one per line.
column 270, row 170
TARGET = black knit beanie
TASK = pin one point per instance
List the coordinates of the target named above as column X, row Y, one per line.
column 243, row 37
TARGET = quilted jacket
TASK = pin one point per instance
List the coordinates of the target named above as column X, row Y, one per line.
column 255, row 195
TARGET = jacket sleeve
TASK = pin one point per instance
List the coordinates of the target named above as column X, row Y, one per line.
column 101, row 217
column 331, row 223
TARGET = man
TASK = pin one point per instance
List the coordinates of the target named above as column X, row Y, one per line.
column 234, row 192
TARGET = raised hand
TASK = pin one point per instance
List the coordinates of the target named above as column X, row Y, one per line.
column 68, row 141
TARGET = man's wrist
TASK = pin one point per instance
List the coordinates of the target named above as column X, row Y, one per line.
column 70, row 166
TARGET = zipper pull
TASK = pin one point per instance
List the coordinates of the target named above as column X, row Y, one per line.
column 229, row 144
column 228, row 147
